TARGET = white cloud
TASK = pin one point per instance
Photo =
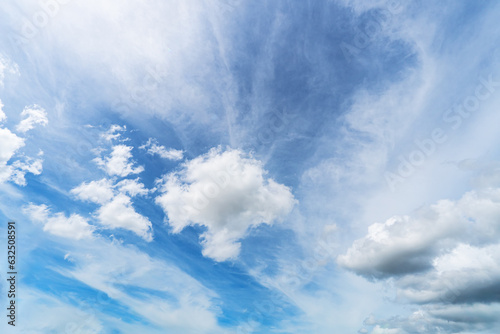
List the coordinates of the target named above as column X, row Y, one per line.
column 188, row 308
column 33, row 115
column 3, row 117
column 467, row 274
column 48, row 314
column 227, row 193
column 114, row 198
column 153, row 147
column 380, row 330
column 9, row 144
column 118, row 163
column 119, row 213
column 6, row 66
column 445, row 318
column 72, row 227
column 15, row 171
column 132, row 187
column 19, row 170
column 113, row 132
column 99, row 192
column 405, row 244
column 444, row 257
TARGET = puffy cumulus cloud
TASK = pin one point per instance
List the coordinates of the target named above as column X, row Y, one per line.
column 118, row 163
column 99, row 192
column 33, row 115
column 72, row 227
column 227, row 193
column 404, row 244
column 445, row 257
column 465, row 275
column 115, row 197
column 153, row 147
column 9, row 144
column 409, row 244
column 119, row 213
column 132, row 187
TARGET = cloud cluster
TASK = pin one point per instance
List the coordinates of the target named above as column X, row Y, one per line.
column 115, row 197
column 227, row 193
column 10, row 144
column 445, row 257
column 119, row 162
column 116, row 209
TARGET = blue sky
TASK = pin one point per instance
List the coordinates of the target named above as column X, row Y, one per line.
column 232, row 166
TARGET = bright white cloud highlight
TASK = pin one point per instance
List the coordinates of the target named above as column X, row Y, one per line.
column 72, row 227
column 15, row 171
column 132, row 187
column 9, row 144
column 113, row 132
column 99, row 192
column 20, row 168
column 114, row 198
column 119, row 213
column 33, row 115
column 227, row 193
column 153, row 147
column 118, row 163
column 3, row 117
